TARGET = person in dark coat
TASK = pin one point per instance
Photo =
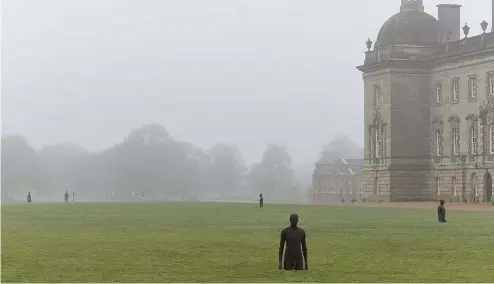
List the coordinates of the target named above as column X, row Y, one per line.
column 261, row 200
column 66, row 196
column 441, row 212
column 29, row 197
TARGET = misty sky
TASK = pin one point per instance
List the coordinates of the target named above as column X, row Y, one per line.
column 246, row 72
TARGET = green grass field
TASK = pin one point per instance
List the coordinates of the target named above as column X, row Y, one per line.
column 208, row 242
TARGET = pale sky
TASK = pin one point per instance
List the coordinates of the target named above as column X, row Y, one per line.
column 245, row 72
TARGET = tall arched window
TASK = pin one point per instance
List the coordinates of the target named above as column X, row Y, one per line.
column 377, row 138
column 379, row 142
column 437, row 126
column 473, row 140
column 438, row 187
column 455, row 136
column 491, row 139
column 473, row 133
column 453, row 188
column 490, row 84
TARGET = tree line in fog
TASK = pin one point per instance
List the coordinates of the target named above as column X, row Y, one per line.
column 150, row 164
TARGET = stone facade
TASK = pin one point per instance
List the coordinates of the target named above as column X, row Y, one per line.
column 429, row 109
column 337, row 181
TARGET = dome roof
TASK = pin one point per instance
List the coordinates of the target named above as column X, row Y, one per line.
column 413, row 27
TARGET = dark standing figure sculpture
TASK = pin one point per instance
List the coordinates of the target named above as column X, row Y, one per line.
column 296, row 247
column 29, row 197
column 466, row 30
column 261, row 200
column 66, row 196
column 441, row 212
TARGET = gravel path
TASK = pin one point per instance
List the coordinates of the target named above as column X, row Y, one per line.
column 432, row 205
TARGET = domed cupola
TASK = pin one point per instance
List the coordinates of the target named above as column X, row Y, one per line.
column 411, row 26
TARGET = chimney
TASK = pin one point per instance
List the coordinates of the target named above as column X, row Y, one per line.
column 449, row 22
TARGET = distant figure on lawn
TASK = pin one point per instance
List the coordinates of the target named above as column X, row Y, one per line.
column 296, row 246
column 66, row 196
column 441, row 212
column 29, row 197
column 261, row 200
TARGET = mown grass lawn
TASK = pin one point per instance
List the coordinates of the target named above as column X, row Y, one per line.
column 214, row 242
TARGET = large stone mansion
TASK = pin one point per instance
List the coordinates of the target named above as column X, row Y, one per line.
column 429, row 108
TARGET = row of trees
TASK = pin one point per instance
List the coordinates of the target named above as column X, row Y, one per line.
column 149, row 164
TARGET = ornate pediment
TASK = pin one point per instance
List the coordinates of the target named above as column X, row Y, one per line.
column 437, row 124
column 471, row 120
column 377, row 118
column 471, row 117
column 485, row 108
column 454, row 121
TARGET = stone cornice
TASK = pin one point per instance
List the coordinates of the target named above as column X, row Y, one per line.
column 464, row 61
column 402, row 66
column 470, row 52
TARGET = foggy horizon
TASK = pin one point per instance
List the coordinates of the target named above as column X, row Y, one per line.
column 245, row 72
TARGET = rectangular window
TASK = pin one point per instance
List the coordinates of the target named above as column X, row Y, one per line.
column 472, row 87
column 439, row 93
column 438, row 144
column 491, row 136
column 473, row 136
column 379, row 142
column 490, row 84
column 454, row 185
column 438, row 188
column 377, row 96
column 455, row 88
column 456, row 139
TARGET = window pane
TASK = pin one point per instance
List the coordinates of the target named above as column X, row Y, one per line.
column 455, row 141
column 438, row 144
column 492, row 138
column 438, row 93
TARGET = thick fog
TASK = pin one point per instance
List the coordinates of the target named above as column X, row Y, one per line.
column 246, row 73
